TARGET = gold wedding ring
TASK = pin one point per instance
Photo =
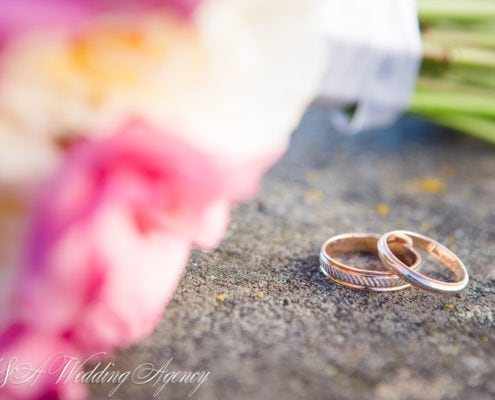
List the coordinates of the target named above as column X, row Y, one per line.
column 437, row 250
column 366, row 279
column 397, row 251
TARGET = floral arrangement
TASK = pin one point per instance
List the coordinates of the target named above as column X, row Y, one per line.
column 128, row 130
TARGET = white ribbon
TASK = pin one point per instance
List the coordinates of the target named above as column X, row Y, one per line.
column 375, row 53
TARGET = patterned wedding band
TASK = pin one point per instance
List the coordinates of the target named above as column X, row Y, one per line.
column 366, row 279
column 437, row 250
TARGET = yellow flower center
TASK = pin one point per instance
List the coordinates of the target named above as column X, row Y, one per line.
column 116, row 56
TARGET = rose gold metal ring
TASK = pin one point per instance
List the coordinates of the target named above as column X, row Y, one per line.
column 437, row 250
column 366, row 279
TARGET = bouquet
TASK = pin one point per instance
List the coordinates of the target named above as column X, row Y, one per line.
column 128, row 130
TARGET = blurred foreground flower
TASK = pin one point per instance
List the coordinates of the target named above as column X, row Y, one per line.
column 149, row 120
column 113, row 230
column 457, row 79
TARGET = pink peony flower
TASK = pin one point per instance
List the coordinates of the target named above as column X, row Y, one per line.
column 112, row 233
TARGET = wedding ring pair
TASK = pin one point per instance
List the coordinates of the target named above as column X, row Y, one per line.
column 397, row 251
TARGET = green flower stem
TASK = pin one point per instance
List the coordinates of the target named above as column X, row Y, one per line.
column 480, row 128
column 456, row 87
column 459, row 55
column 438, row 98
column 433, row 10
column 454, row 37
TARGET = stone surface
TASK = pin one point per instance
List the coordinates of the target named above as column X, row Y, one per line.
column 282, row 331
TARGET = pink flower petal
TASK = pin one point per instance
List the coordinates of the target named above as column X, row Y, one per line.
column 20, row 16
column 112, row 234
column 31, row 365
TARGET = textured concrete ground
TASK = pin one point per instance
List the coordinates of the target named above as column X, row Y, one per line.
column 282, row 331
